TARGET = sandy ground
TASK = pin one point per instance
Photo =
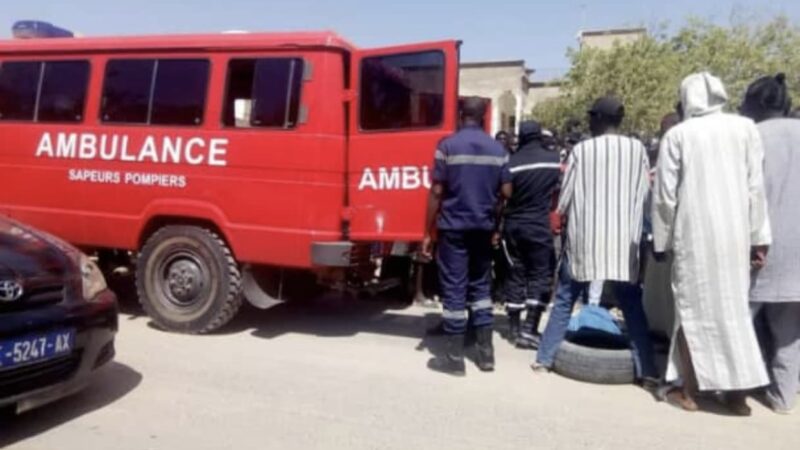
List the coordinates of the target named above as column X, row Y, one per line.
column 351, row 374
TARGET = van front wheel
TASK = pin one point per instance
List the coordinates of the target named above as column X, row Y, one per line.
column 187, row 279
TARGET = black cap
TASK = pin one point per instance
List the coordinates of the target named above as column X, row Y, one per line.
column 608, row 106
column 530, row 128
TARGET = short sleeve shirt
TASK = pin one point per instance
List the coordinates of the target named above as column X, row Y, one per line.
column 471, row 167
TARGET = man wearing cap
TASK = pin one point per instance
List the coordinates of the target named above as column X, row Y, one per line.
column 602, row 198
column 535, row 173
column 470, row 182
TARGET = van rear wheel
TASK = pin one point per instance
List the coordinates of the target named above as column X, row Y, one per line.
column 187, row 279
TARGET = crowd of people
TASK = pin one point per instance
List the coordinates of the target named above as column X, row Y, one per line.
column 715, row 197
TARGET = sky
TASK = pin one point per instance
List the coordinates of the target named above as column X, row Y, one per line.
column 537, row 31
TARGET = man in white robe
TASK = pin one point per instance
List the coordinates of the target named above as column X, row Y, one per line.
column 709, row 210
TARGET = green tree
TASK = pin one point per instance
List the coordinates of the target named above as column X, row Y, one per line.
column 646, row 74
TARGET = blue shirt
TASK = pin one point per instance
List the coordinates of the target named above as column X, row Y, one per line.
column 471, row 167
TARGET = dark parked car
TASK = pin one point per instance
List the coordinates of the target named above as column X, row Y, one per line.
column 57, row 318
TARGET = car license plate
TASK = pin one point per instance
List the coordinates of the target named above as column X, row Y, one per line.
column 35, row 348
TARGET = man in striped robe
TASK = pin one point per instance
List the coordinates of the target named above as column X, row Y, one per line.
column 602, row 196
column 710, row 211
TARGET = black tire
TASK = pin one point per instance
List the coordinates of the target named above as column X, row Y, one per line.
column 594, row 365
column 187, row 280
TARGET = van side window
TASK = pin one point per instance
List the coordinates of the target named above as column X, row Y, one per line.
column 19, row 83
column 63, row 93
column 43, row 91
column 263, row 93
column 156, row 92
column 180, row 92
column 402, row 91
column 126, row 90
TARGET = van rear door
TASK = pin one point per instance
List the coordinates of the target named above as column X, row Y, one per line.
column 405, row 102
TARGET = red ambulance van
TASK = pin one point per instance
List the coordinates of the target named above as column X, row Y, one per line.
column 215, row 158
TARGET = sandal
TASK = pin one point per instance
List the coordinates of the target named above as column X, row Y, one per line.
column 737, row 404
column 674, row 396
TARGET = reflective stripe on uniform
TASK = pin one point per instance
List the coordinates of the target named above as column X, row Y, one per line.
column 476, row 160
column 532, row 302
column 482, row 304
column 527, row 167
column 515, row 306
column 455, row 315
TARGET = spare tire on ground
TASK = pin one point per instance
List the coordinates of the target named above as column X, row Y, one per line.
column 595, row 365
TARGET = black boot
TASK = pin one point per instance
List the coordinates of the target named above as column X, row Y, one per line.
column 485, row 349
column 436, row 330
column 452, row 361
column 514, row 323
column 529, row 335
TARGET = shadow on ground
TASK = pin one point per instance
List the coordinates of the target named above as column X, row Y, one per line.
column 332, row 314
column 106, row 387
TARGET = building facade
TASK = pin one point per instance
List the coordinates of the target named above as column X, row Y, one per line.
column 509, row 86
column 505, row 83
column 606, row 39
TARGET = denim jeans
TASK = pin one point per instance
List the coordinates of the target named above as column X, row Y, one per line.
column 629, row 296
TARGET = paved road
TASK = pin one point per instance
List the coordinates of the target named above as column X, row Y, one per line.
column 351, row 375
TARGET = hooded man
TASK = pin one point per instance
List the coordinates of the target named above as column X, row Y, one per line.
column 775, row 288
column 535, row 172
column 710, row 211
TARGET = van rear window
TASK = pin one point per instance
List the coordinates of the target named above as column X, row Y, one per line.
column 263, row 93
column 402, row 91
column 155, row 92
column 43, row 91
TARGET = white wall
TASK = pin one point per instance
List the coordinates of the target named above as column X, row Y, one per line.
column 503, row 85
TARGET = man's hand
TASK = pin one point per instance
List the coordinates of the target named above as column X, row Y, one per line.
column 496, row 239
column 758, row 256
column 427, row 247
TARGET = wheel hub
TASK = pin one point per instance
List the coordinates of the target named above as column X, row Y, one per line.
column 184, row 280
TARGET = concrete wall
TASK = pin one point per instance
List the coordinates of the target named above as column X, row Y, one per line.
column 504, row 84
column 539, row 93
column 605, row 40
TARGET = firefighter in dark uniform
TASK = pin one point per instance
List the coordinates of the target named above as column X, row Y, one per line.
column 470, row 182
column 527, row 234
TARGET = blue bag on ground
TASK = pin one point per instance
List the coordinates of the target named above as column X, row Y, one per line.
column 595, row 326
